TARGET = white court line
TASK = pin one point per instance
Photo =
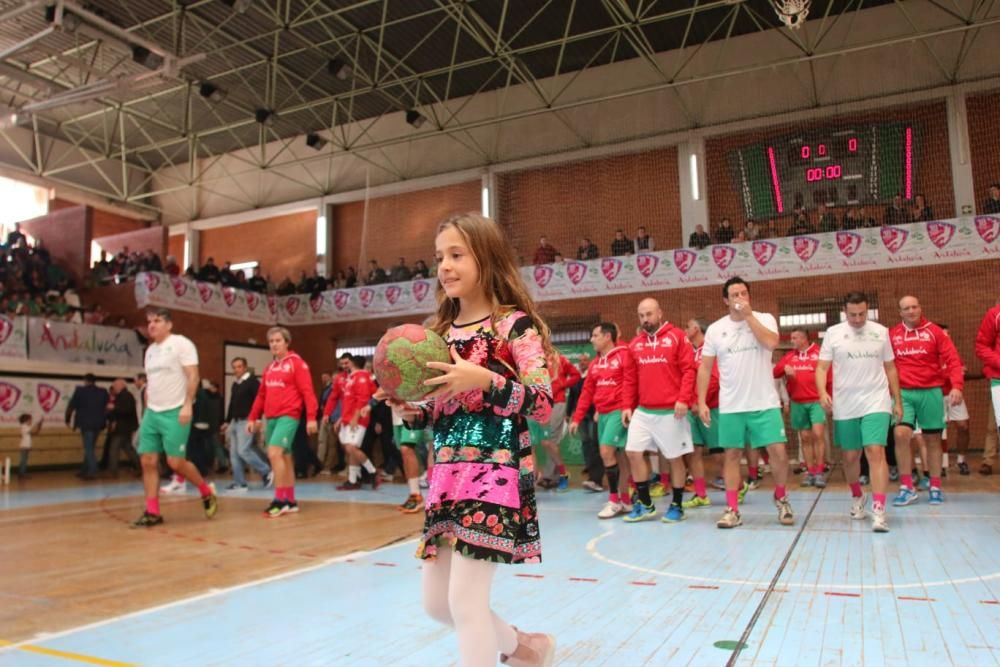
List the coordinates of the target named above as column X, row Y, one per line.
column 592, row 550
column 211, row 593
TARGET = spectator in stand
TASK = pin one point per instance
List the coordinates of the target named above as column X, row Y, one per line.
column 992, row 203
column 320, row 283
column 921, row 211
column 699, row 238
column 257, row 283
column 852, row 220
column 210, row 272
column 86, row 413
column 751, row 231
column 95, row 315
column 376, row 274
column 226, row 276
column 545, row 252
column 339, row 281
column 896, row 213
column 827, row 220
column 801, row 225
column 643, row 241
column 558, row 259
column 286, row 287
column 587, row 250
column 190, row 273
column 151, row 261
column 171, row 268
column 16, row 237
column 420, row 270
column 401, row 272
column 740, row 237
column 724, row 233
column 241, row 281
column 866, row 218
column 306, row 284
column 621, row 245
column 352, row 278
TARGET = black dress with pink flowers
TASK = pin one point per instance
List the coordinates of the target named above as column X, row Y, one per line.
column 482, row 495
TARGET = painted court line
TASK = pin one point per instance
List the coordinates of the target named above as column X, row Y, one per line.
column 214, row 592
column 76, row 657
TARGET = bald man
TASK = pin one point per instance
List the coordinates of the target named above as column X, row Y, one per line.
column 924, row 355
column 657, row 391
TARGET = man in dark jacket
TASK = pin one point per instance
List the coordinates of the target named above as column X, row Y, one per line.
column 241, row 449
column 87, row 412
column 123, row 416
column 206, row 421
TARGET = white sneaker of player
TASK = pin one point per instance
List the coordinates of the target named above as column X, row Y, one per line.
column 858, row 507
column 175, row 486
column 879, row 524
column 611, row 510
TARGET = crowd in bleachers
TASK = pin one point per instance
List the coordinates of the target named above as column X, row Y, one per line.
column 31, row 283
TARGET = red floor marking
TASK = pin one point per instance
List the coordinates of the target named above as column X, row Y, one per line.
column 843, row 595
column 530, row 576
column 308, row 555
column 907, row 597
column 989, row 602
column 581, row 579
column 247, row 547
column 707, row 588
column 385, row 564
column 276, row 551
column 643, row 583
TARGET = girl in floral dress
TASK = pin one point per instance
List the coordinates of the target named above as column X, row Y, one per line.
column 480, row 508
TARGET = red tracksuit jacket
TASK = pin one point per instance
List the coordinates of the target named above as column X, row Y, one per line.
column 605, row 383
column 336, row 393
column 564, row 375
column 802, row 387
column 712, row 397
column 988, row 343
column 921, row 353
column 285, row 386
column 663, row 369
column 358, row 390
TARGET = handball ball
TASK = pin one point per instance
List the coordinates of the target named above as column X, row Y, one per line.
column 401, row 357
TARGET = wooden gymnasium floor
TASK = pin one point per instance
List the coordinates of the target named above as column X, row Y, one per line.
column 337, row 583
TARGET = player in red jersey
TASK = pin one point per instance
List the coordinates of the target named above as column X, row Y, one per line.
column 922, row 349
column 285, row 389
column 703, row 436
column 798, row 368
column 988, row 352
column 564, row 375
column 355, row 415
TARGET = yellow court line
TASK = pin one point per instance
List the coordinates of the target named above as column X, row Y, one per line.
column 68, row 656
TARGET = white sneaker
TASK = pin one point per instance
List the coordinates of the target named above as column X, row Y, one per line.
column 879, row 524
column 175, row 486
column 858, row 507
column 386, row 477
column 422, row 481
column 611, row 510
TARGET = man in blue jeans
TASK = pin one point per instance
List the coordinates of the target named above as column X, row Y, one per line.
column 241, row 449
column 87, row 412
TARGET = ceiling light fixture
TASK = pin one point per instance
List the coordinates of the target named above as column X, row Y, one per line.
column 415, row 118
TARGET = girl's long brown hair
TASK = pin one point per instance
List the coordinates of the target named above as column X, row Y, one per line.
column 499, row 276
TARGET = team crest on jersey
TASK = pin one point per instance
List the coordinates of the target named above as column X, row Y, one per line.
column 229, row 295
column 543, row 274
column 6, row 328
column 340, row 299
column 180, row 287
column 205, row 292
column 684, row 260
column 576, row 272
column 849, row 243
column 316, row 302
column 647, row 264
column 764, row 251
column 611, row 267
column 367, row 296
column 252, row 301
column 420, row 289
column 292, row 305
column 940, row 233
column 805, row 247
column 723, row 255
column 894, row 238
column 988, row 227
column 392, row 294
column 9, row 396
column 47, row 395
column 152, row 281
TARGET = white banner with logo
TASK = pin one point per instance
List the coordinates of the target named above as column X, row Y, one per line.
column 918, row 244
column 67, row 342
column 41, row 398
column 13, row 337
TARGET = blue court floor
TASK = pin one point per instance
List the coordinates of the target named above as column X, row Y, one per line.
column 824, row 592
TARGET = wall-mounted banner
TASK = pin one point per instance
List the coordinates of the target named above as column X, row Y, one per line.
column 940, row 242
column 41, row 398
column 71, row 343
column 13, row 337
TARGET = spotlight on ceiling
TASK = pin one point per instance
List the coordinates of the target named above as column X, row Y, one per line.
column 211, row 92
column 316, row 142
column 146, row 58
column 415, row 118
column 339, row 69
column 264, row 116
column 238, row 6
column 70, row 21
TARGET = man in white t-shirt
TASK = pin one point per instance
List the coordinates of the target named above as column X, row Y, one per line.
column 172, row 373
column 749, row 406
column 865, row 397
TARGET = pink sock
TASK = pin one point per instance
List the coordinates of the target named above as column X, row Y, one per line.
column 179, row 478
column 753, row 471
column 665, row 479
column 732, row 500
column 204, row 489
column 279, row 493
column 906, row 481
column 699, row 487
column 816, row 470
column 561, row 469
column 779, row 492
column 153, row 505
column 856, row 489
column 290, row 494
column 935, row 482
column 878, row 501
column 613, row 497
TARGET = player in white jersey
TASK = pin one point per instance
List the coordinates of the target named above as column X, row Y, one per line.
column 172, row 371
column 865, row 397
column 749, row 406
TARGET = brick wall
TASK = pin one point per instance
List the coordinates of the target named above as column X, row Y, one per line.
column 397, row 226
column 106, row 223
column 984, row 142
column 284, row 245
column 592, row 198
column 66, row 234
column 175, row 247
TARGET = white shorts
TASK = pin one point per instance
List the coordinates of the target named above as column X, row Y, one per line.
column 649, row 432
column 995, row 391
column 351, row 435
column 955, row 413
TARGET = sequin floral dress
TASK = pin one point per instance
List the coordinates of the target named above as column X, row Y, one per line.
column 482, row 495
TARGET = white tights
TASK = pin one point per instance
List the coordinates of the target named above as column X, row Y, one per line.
column 457, row 593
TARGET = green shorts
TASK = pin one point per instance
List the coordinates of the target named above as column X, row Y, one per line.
column 161, row 432
column 856, row 433
column 407, row 437
column 280, row 432
column 759, row 428
column 610, row 430
column 923, row 408
column 705, row 436
column 806, row 415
